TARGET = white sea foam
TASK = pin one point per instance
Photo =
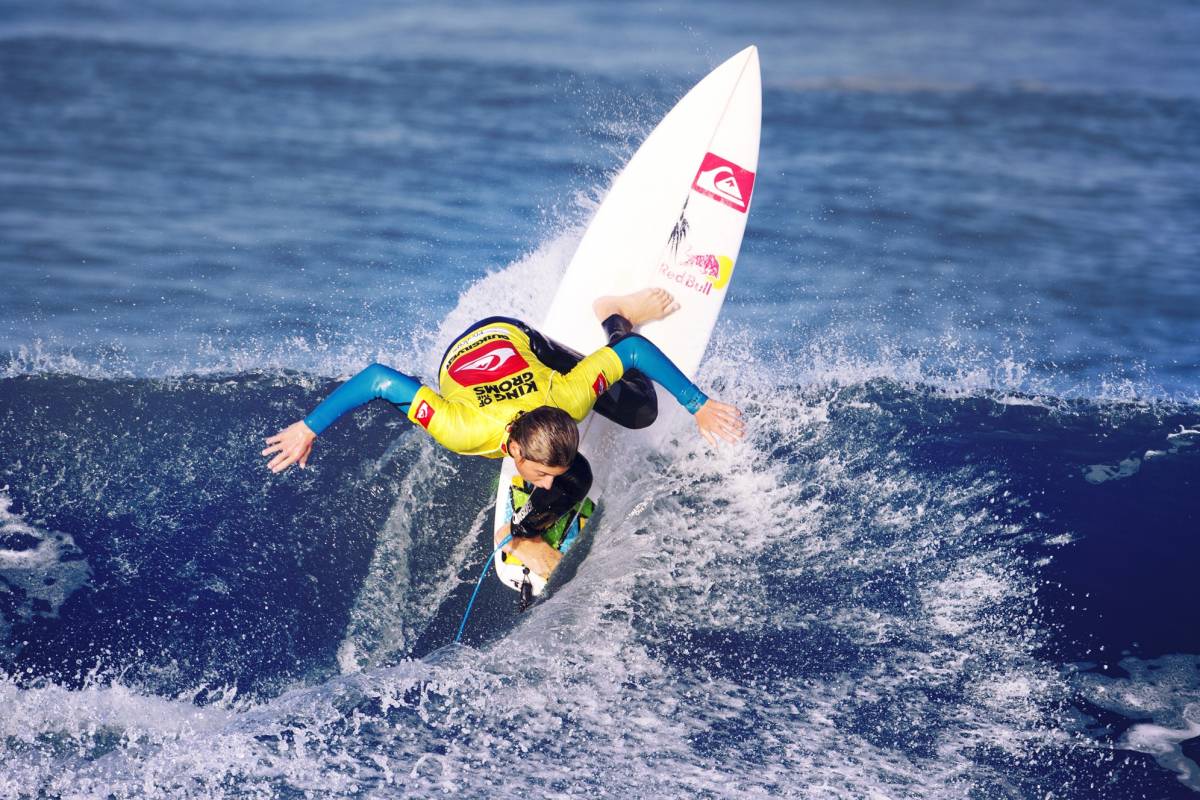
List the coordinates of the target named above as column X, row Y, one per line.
column 1101, row 473
column 1162, row 696
column 1177, row 441
column 401, row 594
column 41, row 356
column 1184, row 437
column 39, row 569
column 518, row 291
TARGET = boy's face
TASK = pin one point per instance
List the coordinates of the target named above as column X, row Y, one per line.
column 539, row 474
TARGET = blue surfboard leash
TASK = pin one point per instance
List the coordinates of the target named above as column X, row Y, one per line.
column 486, row 566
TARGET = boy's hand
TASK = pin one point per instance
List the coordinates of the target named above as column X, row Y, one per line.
column 292, row 444
column 532, row 550
column 720, row 419
column 535, row 554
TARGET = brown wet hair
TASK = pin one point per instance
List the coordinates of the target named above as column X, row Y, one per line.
column 547, row 435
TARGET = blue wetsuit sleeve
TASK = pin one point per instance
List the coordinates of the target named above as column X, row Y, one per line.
column 376, row 381
column 638, row 352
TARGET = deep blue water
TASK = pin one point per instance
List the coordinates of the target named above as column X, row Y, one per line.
column 955, row 557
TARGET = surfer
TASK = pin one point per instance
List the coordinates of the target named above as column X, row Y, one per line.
column 508, row 390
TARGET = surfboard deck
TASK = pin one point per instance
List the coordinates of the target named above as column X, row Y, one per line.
column 673, row 218
column 511, row 572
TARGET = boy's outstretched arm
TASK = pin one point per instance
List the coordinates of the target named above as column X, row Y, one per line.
column 714, row 418
column 294, row 443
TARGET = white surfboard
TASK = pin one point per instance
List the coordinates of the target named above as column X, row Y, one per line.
column 673, row 218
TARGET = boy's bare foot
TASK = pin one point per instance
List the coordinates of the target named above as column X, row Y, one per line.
column 639, row 308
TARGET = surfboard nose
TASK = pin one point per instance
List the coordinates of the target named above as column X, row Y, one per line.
column 748, row 59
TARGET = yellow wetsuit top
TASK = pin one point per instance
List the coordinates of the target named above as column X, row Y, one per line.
column 490, row 375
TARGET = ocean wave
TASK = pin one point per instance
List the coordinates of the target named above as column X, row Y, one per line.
column 876, row 591
column 862, row 577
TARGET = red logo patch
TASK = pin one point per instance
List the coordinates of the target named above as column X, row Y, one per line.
column 493, row 361
column 424, row 414
column 600, row 386
column 724, row 182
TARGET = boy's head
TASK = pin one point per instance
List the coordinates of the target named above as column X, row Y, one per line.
column 543, row 443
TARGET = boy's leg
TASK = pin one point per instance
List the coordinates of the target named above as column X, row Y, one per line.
column 630, row 402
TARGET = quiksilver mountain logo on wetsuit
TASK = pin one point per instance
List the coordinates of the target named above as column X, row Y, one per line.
column 601, row 385
column 424, row 414
column 491, row 362
column 724, row 182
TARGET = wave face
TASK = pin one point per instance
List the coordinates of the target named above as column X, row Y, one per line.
column 954, row 557
column 893, row 587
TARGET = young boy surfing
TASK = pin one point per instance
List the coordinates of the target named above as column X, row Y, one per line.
column 507, row 390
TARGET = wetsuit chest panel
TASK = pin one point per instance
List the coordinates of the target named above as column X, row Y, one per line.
column 494, row 366
column 490, row 374
column 486, row 378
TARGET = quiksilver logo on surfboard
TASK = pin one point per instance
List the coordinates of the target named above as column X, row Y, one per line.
column 724, row 182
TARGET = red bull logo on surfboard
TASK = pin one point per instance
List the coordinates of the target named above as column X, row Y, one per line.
column 724, row 182
column 701, row 273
